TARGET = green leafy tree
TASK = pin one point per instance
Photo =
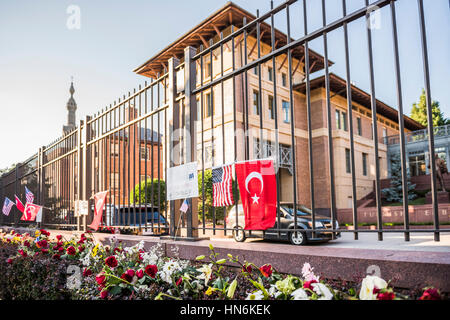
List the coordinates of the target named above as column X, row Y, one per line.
column 395, row 192
column 209, row 209
column 142, row 193
column 419, row 112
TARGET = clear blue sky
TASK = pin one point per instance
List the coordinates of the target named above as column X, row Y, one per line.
column 39, row 54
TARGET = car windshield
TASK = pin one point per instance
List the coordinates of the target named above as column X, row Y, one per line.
column 301, row 209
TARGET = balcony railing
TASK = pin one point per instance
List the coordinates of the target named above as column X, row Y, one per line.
column 420, row 135
column 269, row 151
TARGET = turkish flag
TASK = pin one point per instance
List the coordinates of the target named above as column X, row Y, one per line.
column 99, row 200
column 19, row 204
column 258, row 190
column 30, row 212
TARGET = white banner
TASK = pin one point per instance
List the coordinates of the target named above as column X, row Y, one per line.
column 182, row 181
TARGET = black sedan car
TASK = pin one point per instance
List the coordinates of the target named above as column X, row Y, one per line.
column 286, row 222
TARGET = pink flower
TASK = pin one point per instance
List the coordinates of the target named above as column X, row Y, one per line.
column 307, row 284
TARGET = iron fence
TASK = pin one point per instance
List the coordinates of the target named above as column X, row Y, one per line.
column 209, row 108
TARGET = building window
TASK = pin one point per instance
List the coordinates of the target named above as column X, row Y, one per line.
column 256, row 102
column 347, row 161
column 271, row 108
column 384, row 134
column 338, row 120
column 208, row 69
column 344, row 121
column 114, row 151
column 285, row 106
column 114, row 180
column 359, row 126
column 417, row 165
column 364, row 164
column 145, row 154
column 283, row 80
column 209, row 106
column 270, row 73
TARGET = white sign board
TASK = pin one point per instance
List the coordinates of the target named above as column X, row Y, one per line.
column 81, row 208
column 182, row 181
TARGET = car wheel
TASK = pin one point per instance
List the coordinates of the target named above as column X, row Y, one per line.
column 297, row 238
column 239, row 235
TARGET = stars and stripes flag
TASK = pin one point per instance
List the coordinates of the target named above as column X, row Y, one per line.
column 7, row 205
column 222, row 180
column 29, row 195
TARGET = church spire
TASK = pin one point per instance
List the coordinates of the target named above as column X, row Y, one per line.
column 71, row 108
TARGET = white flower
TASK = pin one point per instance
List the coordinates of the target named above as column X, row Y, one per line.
column 257, row 295
column 308, row 274
column 206, row 271
column 322, row 291
column 273, row 291
column 300, row 294
column 368, row 284
column 169, row 268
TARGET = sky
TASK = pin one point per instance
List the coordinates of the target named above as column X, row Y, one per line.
column 39, row 54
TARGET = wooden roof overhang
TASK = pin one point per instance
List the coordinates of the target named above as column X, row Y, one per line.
column 230, row 14
column 339, row 85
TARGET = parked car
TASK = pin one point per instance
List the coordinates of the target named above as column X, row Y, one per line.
column 286, row 217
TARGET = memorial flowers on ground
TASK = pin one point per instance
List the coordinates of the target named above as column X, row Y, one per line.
column 113, row 271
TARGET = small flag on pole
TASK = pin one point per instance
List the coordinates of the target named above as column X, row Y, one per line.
column 29, row 195
column 19, row 204
column 184, row 207
column 7, row 205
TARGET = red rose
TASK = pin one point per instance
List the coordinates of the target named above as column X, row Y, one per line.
column 59, row 244
column 104, row 294
column 266, row 270
column 130, row 272
column 71, row 251
column 87, row 272
column 27, row 244
column 81, row 248
column 9, row 261
column 56, row 256
column 42, row 243
column 22, row 253
column 59, row 237
column 60, row 249
column 140, row 273
column 307, row 284
column 151, row 270
column 386, row 296
column 179, row 281
column 117, row 250
column 44, row 251
column 247, row 268
column 100, row 278
column 430, row 294
column 81, row 241
column 125, row 276
column 12, row 232
column 111, row 262
column 44, row 232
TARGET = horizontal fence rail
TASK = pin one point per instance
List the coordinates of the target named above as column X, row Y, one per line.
column 238, row 97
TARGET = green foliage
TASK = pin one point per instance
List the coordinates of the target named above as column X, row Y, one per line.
column 395, row 192
column 208, row 209
column 419, row 112
column 142, row 193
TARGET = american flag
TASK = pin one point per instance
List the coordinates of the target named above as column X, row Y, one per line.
column 222, row 183
column 29, row 195
column 7, row 205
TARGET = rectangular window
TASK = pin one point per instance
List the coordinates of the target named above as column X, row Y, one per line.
column 344, row 121
column 338, row 120
column 271, row 108
column 256, row 102
column 114, row 180
column 209, row 106
column 364, row 164
column 145, row 153
column 384, row 132
column 208, row 69
column 285, row 106
column 347, row 161
column 270, row 70
column 255, row 70
column 283, row 80
column 417, row 165
column 359, row 126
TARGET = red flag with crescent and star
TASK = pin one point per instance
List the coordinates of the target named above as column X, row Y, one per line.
column 258, row 190
column 30, row 212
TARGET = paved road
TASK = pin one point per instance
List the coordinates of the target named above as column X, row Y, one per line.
column 392, row 241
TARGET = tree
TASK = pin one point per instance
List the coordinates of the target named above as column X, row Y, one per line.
column 142, row 193
column 419, row 112
column 395, row 192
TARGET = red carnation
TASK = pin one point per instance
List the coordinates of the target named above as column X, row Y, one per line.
column 111, row 262
column 71, row 251
column 266, row 270
column 100, row 278
column 430, row 294
column 386, row 296
column 307, row 284
column 140, row 273
column 151, row 270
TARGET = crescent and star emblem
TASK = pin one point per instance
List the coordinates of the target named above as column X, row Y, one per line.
column 254, row 175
